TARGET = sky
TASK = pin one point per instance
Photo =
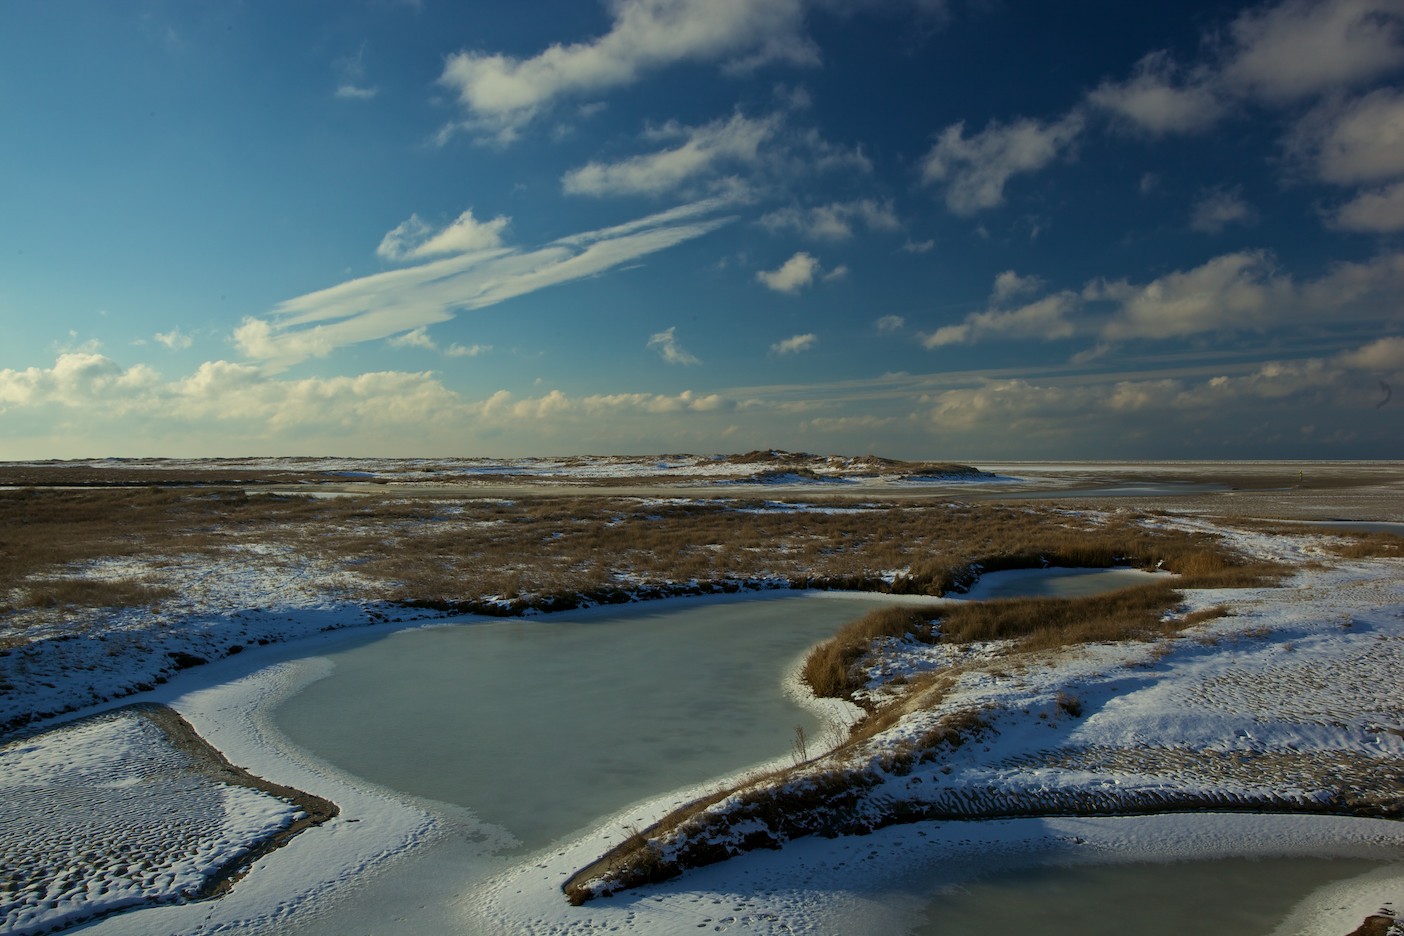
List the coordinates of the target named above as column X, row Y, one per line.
column 935, row 229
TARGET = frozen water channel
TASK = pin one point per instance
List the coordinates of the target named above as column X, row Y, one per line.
column 542, row 726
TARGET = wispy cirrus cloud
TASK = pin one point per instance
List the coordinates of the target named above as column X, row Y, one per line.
column 699, row 152
column 476, row 276
column 670, row 349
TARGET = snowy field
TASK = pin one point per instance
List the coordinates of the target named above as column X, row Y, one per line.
column 1290, row 701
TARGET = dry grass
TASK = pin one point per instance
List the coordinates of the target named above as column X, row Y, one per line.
column 1135, row 613
column 831, row 668
column 1370, row 546
column 465, row 554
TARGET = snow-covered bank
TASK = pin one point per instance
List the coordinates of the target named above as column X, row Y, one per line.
column 1287, row 703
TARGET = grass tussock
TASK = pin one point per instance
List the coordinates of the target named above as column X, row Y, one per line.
column 1051, row 623
column 93, row 593
column 1369, row 546
column 831, row 669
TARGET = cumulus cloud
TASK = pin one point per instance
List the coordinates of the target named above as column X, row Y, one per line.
column 1159, row 99
column 1233, row 291
column 1009, row 284
column 225, row 392
column 1216, row 209
column 399, row 301
column 834, row 221
column 736, row 140
column 795, row 344
column 1278, row 54
column 1384, row 356
column 1271, row 390
column 420, row 338
column 1361, row 141
column 175, row 339
column 412, row 239
column 1046, row 319
column 890, row 323
column 667, row 345
column 793, row 275
column 1292, row 50
column 502, row 93
column 974, row 170
column 919, row 247
column 1377, row 211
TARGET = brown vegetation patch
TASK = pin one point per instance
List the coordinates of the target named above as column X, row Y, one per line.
column 1369, row 546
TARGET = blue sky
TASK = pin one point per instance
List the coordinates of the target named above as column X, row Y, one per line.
column 964, row 229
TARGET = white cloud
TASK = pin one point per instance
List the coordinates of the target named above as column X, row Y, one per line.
column 890, row 323
column 1046, row 319
column 1231, row 292
column 502, row 93
column 793, row 275
column 224, row 403
column 1385, row 355
column 412, row 239
column 459, row 350
column 1009, row 284
column 667, row 346
column 397, row 301
column 835, row 221
column 225, row 392
column 175, row 339
column 416, row 338
column 1157, row 101
column 919, row 247
column 419, row 338
column 351, row 92
column 1361, row 141
column 795, row 344
column 502, row 408
column 1299, row 48
column 702, row 150
column 1216, row 209
column 1274, row 390
column 974, row 170
column 1379, row 211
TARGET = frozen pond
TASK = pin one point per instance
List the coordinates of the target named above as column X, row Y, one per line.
column 542, row 726
column 1058, row 582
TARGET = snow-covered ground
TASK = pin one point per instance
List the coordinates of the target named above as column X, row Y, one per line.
column 107, row 815
column 1293, row 695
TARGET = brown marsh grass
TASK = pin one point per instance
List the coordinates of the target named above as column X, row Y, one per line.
column 475, row 554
